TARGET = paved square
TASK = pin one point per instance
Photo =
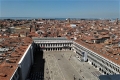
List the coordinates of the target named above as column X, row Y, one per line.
column 63, row 65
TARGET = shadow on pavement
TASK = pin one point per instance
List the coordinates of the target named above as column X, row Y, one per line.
column 37, row 69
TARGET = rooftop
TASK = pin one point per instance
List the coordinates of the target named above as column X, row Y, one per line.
column 9, row 60
column 100, row 36
column 49, row 38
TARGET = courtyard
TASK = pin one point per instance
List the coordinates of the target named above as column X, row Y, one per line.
column 63, row 65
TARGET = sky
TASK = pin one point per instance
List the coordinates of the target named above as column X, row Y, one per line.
column 60, row 8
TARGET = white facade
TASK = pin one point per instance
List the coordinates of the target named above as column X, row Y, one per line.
column 72, row 25
column 24, row 65
column 54, row 45
column 104, row 65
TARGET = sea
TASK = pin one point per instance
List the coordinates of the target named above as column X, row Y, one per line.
column 29, row 18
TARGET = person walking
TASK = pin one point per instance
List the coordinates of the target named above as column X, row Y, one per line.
column 74, row 77
column 80, row 79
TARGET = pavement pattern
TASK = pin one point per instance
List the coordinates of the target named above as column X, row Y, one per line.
column 63, row 65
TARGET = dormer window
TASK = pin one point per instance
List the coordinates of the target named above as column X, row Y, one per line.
column 111, row 56
column 95, row 32
column 116, row 58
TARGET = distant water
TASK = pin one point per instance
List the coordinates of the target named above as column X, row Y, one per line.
column 17, row 18
column 20, row 18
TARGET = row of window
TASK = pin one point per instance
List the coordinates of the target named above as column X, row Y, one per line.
column 98, row 58
column 53, row 44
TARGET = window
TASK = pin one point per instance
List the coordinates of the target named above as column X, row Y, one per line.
column 107, row 64
column 110, row 66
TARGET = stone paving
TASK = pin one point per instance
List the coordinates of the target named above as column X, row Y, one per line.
column 63, row 65
column 53, row 68
column 82, row 68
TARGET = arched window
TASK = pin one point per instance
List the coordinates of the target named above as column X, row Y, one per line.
column 110, row 66
column 106, row 63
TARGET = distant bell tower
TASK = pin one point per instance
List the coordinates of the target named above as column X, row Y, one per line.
column 68, row 20
column 117, row 21
column 30, row 27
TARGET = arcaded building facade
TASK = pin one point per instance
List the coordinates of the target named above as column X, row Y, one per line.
column 102, row 64
column 53, row 44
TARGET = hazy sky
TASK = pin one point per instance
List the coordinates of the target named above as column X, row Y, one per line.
column 60, row 8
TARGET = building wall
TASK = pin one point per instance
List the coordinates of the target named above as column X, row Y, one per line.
column 54, row 45
column 16, row 75
column 104, row 65
column 24, row 65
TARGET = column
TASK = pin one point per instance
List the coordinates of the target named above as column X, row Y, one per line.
column 40, row 45
column 45, row 45
column 51, row 45
column 57, row 45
